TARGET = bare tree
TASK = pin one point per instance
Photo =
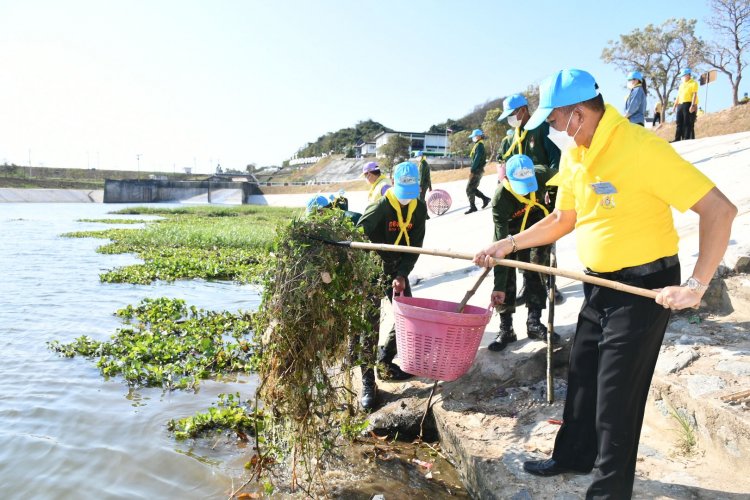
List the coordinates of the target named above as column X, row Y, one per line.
column 728, row 53
column 659, row 52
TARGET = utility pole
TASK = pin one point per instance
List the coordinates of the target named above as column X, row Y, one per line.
column 138, row 159
column 29, row 162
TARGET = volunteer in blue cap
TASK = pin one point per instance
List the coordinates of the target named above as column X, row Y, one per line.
column 686, row 106
column 635, row 103
column 616, row 189
column 397, row 219
column 478, row 161
column 517, row 204
column 535, row 144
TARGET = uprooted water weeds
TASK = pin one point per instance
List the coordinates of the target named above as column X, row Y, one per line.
column 168, row 344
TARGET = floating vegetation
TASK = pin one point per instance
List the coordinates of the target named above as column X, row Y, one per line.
column 208, row 242
column 230, row 413
column 168, row 344
column 315, row 296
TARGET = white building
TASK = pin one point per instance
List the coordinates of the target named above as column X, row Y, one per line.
column 420, row 141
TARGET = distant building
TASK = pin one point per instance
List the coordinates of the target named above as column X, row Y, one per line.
column 363, row 149
column 434, row 144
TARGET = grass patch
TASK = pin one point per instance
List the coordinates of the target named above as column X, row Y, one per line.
column 115, row 221
column 208, row 242
column 167, row 344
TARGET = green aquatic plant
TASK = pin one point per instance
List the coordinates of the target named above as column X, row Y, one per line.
column 168, row 344
column 315, row 296
column 115, row 221
column 207, row 242
column 229, row 413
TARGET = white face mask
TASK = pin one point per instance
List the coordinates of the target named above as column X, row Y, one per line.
column 404, row 202
column 561, row 139
column 475, row 138
column 513, row 121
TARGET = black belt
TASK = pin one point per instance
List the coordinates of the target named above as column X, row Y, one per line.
column 627, row 273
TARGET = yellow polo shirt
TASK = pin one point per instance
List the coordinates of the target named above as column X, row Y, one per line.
column 686, row 91
column 622, row 188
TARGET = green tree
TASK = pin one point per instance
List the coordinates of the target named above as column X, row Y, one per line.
column 659, row 52
column 460, row 144
column 396, row 147
column 730, row 23
column 494, row 131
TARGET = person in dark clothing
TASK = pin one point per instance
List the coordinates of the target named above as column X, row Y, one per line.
column 517, row 204
column 478, row 161
column 535, row 144
column 398, row 218
column 340, row 201
column 425, row 182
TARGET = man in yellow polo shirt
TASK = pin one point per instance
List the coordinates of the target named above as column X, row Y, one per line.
column 616, row 189
column 686, row 107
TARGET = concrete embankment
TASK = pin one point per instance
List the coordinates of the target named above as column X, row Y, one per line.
column 14, row 195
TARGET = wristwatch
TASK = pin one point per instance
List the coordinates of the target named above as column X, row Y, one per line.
column 694, row 285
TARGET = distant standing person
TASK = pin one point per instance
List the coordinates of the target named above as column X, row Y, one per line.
column 657, row 114
column 686, row 106
column 425, row 182
column 635, row 104
column 378, row 182
column 478, row 161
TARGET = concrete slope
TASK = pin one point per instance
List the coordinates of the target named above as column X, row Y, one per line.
column 13, row 195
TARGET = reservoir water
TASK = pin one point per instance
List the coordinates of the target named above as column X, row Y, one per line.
column 66, row 432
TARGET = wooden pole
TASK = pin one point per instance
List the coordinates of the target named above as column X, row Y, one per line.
column 381, row 247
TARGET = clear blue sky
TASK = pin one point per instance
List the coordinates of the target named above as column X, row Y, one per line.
column 95, row 83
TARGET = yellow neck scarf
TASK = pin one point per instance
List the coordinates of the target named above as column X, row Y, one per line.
column 475, row 148
column 375, row 185
column 403, row 226
column 529, row 202
column 518, row 138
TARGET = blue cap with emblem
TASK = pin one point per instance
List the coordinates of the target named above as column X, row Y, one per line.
column 519, row 170
column 406, row 181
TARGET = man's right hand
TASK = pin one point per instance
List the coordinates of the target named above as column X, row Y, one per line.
column 497, row 298
column 498, row 250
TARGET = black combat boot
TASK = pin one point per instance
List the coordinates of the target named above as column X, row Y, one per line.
column 369, row 399
column 506, row 335
column 471, row 210
column 387, row 369
column 535, row 329
column 485, row 201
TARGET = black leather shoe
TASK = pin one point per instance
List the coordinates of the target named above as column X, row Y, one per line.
column 485, row 202
column 549, row 467
column 470, row 210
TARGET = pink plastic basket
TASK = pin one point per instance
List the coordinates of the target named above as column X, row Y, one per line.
column 433, row 340
column 439, row 201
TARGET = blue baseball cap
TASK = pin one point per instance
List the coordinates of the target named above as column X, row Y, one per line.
column 417, row 153
column 635, row 75
column 685, row 71
column 476, row 132
column 519, row 170
column 566, row 87
column 406, row 180
column 317, row 201
column 512, row 103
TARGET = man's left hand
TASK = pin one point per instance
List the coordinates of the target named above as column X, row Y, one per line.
column 399, row 284
column 678, row 297
column 693, row 108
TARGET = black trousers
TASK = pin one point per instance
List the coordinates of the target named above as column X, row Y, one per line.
column 685, row 121
column 612, row 361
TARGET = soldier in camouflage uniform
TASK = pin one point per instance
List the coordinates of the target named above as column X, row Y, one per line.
column 517, row 204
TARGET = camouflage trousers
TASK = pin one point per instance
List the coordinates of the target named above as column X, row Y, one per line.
column 535, row 283
column 472, row 186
